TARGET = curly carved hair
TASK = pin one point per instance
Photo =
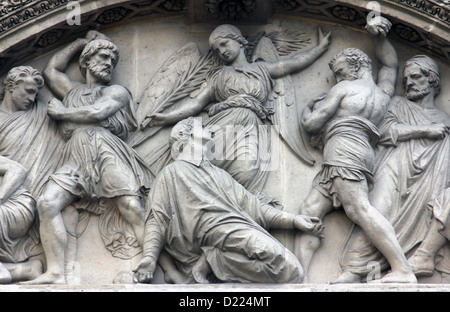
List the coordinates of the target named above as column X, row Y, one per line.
column 92, row 48
column 355, row 59
column 19, row 74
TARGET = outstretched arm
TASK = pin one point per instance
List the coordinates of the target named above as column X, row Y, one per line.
column 13, row 177
column 378, row 27
column 187, row 107
column 300, row 60
column 153, row 245
column 113, row 98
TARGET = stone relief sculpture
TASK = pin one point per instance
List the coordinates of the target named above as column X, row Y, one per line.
column 345, row 120
column 412, row 166
column 97, row 165
column 211, row 225
column 207, row 218
column 240, row 94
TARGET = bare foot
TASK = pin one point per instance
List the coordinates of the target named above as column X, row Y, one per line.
column 200, row 270
column 33, row 269
column 422, row 263
column 399, row 277
column 5, row 276
column 174, row 277
column 47, row 278
column 347, row 278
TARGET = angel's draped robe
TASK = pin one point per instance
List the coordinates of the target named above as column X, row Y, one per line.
column 198, row 208
column 409, row 175
column 238, row 118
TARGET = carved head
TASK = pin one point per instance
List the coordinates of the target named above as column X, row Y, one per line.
column 226, row 41
column 22, row 84
column 420, row 77
column 189, row 132
column 347, row 64
column 181, row 133
column 100, row 57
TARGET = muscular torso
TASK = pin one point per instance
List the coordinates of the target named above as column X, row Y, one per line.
column 363, row 99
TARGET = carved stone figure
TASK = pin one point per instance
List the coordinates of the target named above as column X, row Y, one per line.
column 98, row 166
column 412, row 167
column 346, row 119
column 17, row 216
column 24, row 127
column 211, row 225
column 240, row 98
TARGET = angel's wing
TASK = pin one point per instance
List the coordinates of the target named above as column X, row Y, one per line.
column 180, row 75
column 283, row 103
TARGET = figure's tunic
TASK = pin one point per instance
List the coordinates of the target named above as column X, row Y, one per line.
column 348, row 149
column 97, row 163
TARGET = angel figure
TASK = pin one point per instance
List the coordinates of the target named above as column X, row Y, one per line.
column 240, row 98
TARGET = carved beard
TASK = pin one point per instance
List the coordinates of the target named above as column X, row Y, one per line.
column 100, row 73
column 414, row 94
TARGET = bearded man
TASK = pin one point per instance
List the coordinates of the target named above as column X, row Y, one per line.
column 98, row 166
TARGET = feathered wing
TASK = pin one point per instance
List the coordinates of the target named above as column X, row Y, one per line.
column 180, row 75
column 283, row 103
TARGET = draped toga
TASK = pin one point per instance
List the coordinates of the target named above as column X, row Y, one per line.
column 199, row 209
column 32, row 139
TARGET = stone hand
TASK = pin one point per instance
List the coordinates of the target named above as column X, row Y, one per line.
column 438, row 131
column 324, row 39
column 310, row 225
column 378, row 26
column 318, row 98
column 144, row 271
column 158, row 119
column 55, row 108
column 93, row 34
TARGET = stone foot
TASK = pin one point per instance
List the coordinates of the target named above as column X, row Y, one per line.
column 200, row 270
column 174, row 277
column 347, row 278
column 399, row 277
column 33, row 269
column 5, row 276
column 422, row 263
column 47, row 278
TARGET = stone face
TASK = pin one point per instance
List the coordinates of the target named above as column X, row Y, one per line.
column 165, row 58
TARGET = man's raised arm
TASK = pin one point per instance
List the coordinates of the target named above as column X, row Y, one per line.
column 378, row 27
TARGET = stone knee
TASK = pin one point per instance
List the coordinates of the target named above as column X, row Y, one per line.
column 46, row 207
column 358, row 213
